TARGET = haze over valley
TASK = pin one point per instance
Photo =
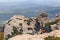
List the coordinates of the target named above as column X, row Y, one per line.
column 27, row 8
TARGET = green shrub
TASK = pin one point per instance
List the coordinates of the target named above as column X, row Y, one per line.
column 1, row 35
column 52, row 38
column 8, row 36
column 53, row 22
column 12, row 33
column 15, row 31
column 21, row 31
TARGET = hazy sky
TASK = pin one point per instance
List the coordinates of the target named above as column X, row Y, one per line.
column 47, row 2
column 30, row 0
column 42, row 2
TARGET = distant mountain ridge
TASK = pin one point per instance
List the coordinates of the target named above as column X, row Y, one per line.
column 27, row 9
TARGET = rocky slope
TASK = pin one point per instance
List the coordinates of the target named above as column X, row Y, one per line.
column 55, row 33
column 40, row 24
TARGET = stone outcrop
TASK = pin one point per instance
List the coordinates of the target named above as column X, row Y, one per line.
column 42, row 19
column 19, row 21
column 32, row 25
column 55, row 33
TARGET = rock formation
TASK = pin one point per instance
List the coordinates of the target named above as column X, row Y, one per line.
column 55, row 33
column 19, row 22
column 31, row 25
column 42, row 19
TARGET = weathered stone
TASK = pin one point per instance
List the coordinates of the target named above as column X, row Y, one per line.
column 55, row 33
column 20, row 22
column 30, row 25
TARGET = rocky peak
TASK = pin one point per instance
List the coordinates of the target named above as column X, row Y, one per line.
column 43, row 14
column 29, row 25
column 43, row 17
column 21, row 23
column 20, row 17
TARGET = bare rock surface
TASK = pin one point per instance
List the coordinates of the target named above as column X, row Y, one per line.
column 55, row 33
column 32, row 26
